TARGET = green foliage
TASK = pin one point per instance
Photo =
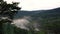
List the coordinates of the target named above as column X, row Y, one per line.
column 8, row 28
column 19, row 30
column 8, row 9
column 51, row 24
column 7, row 12
column 40, row 32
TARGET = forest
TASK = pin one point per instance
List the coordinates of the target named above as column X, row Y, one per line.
column 47, row 21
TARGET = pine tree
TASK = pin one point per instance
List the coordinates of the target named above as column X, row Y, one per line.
column 7, row 12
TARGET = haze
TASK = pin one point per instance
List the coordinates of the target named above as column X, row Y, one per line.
column 37, row 4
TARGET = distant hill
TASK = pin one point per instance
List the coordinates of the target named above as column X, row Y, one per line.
column 39, row 13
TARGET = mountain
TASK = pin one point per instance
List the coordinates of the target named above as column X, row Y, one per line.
column 37, row 16
column 26, row 13
column 39, row 13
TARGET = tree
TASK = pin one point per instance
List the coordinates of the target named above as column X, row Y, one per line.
column 7, row 12
column 51, row 24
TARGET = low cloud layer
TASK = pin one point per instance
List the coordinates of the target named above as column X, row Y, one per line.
column 25, row 23
column 22, row 22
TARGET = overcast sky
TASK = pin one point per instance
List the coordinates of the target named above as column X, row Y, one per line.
column 37, row 4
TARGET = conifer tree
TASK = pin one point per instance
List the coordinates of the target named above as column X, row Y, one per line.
column 7, row 12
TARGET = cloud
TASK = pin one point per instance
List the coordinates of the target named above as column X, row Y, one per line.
column 10, row 1
column 22, row 22
column 37, row 4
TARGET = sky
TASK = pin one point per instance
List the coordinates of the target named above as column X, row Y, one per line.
column 36, row 4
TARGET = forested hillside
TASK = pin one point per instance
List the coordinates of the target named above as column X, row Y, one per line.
column 47, row 20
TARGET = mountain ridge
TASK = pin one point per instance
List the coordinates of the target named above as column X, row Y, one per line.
column 37, row 13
